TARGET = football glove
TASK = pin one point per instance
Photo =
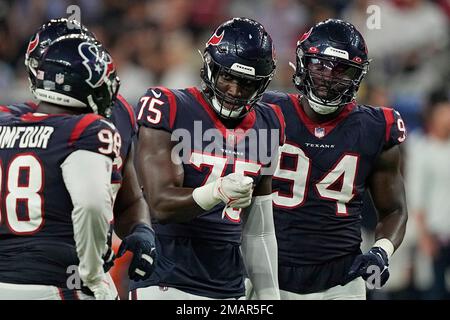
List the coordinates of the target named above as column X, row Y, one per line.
column 235, row 190
column 375, row 257
column 141, row 242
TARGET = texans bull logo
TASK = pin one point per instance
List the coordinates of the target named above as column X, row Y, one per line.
column 98, row 63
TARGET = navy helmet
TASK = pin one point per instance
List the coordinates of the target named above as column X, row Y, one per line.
column 46, row 34
column 76, row 72
column 242, row 48
column 331, row 61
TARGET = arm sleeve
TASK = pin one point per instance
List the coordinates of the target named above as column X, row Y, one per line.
column 87, row 176
column 259, row 248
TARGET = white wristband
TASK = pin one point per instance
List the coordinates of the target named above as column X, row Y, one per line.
column 386, row 245
column 204, row 196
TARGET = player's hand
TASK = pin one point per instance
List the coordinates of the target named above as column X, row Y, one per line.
column 141, row 242
column 376, row 257
column 235, row 190
column 109, row 256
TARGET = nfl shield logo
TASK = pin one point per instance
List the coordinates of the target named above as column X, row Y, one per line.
column 59, row 78
column 319, row 132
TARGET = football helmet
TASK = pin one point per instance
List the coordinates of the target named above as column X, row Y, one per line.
column 331, row 62
column 76, row 72
column 46, row 34
column 243, row 49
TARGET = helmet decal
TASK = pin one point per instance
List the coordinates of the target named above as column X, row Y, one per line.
column 330, row 51
column 99, row 64
column 305, row 36
column 57, row 58
column 313, row 50
column 243, row 69
column 215, row 39
column 33, row 44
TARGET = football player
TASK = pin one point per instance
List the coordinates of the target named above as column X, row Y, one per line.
column 335, row 150
column 56, row 168
column 131, row 217
column 209, row 194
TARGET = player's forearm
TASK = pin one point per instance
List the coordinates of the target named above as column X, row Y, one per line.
column 393, row 213
column 174, row 204
column 130, row 208
column 392, row 225
column 388, row 193
column 133, row 214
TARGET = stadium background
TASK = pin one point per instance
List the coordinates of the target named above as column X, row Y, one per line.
column 156, row 42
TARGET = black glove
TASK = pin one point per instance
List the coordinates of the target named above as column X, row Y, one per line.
column 141, row 241
column 109, row 256
column 376, row 257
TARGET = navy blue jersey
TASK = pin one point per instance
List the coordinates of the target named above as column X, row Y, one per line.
column 319, row 185
column 36, row 232
column 202, row 256
column 124, row 119
column 19, row 109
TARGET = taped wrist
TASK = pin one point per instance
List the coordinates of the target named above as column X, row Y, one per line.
column 386, row 245
column 204, row 196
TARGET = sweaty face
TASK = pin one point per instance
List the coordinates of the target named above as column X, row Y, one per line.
column 234, row 87
column 330, row 79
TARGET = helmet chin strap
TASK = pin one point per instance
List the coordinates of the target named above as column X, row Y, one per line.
column 223, row 111
column 320, row 108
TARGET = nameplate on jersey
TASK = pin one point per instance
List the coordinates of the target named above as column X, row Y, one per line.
column 25, row 137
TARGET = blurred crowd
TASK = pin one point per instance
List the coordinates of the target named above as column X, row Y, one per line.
column 156, row 42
